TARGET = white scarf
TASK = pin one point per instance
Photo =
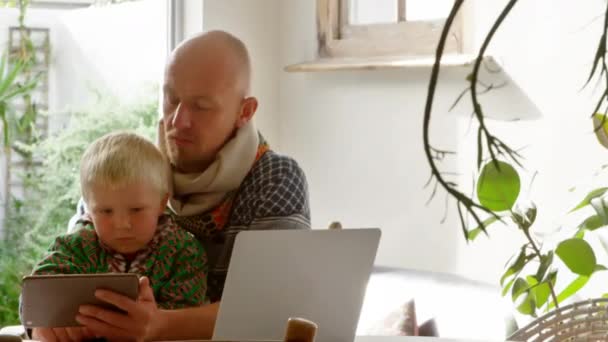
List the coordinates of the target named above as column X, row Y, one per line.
column 195, row 193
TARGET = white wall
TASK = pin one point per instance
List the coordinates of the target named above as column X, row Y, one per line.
column 358, row 135
column 257, row 24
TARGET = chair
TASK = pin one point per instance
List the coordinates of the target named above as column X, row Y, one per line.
column 582, row 321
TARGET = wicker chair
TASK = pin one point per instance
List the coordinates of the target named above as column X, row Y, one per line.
column 582, row 321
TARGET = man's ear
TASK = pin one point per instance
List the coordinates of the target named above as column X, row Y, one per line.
column 248, row 108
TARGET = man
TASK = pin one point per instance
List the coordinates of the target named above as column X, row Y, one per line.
column 225, row 178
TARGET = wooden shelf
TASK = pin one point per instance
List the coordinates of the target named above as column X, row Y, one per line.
column 377, row 63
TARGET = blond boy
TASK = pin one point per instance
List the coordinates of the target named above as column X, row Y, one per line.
column 124, row 182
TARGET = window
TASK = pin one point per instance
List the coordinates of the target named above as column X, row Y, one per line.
column 381, row 28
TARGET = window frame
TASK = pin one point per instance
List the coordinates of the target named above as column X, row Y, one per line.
column 340, row 39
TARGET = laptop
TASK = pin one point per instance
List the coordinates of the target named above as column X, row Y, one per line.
column 320, row 275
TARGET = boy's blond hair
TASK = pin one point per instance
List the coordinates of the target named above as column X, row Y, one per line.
column 121, row 158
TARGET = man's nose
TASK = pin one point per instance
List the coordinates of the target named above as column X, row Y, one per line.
column 182, row 117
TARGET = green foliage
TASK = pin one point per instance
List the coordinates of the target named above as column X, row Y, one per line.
column 498, row 186
column 531, row 275
column 53, row 189
column 10, row 89
column 577, row 255
column 8, row 3
column 590, row 196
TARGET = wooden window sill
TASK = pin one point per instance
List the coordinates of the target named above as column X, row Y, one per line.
column 378, row 63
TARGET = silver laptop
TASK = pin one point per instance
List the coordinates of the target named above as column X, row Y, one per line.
column 320, row 275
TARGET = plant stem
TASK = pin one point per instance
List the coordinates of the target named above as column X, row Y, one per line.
column 539, row 256
column 461, row 198
column 494, row 145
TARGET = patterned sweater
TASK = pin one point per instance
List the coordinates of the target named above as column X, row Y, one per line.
column 173, row 260
column 274, row 195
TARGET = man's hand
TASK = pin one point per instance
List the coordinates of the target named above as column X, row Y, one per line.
column 140, row 321
column 74, row 334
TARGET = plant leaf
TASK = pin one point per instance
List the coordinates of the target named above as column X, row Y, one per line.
column 520, row 287
column 515, row 267
column 2, row 65
column 593, row 194
column 592, row 223
column 577, row 255
column 508, row 286
column 486, row 223
column 9, row 80
column 498, row 186
column 541, row 294
column 526, row 305
column 546, row 261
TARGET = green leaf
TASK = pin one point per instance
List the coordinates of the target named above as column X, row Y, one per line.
column 600, row 128
column 579, row 234
column 541, row 294
column 531, row 213
column 17, row 90
column 2, row 65
column 508, row 286
column 593, row 194
column 599, row 268
column 515, row 267
column 577, row 255
column 486, row 223
column 498, row 186
column 4, row 124
column 526, row 305
column 532, row 281
column 592, row 223
column 546, row 261
column 520, row 286
column 571, row 289
column 7, row 82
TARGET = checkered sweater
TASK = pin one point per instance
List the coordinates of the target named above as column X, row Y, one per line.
column 274, row 195
column 173, row 260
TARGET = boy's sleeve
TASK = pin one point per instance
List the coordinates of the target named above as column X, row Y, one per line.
column 69, row 254
column 187, row 286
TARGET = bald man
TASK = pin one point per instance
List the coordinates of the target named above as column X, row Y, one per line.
column 226, row 179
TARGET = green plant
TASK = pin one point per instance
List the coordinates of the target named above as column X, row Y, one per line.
column 53, row 189
column 532, row 274
column 10, row 89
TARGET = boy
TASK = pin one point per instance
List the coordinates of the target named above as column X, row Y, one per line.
column 124, row 182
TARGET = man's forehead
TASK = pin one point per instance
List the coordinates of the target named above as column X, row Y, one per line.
column 198, row 84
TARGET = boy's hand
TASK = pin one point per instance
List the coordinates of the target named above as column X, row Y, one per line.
column 140, row 321
column 74, row 334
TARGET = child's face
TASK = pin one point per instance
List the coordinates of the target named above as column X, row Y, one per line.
column 126, row 217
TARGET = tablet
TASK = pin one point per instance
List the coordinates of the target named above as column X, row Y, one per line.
column 53, row 300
